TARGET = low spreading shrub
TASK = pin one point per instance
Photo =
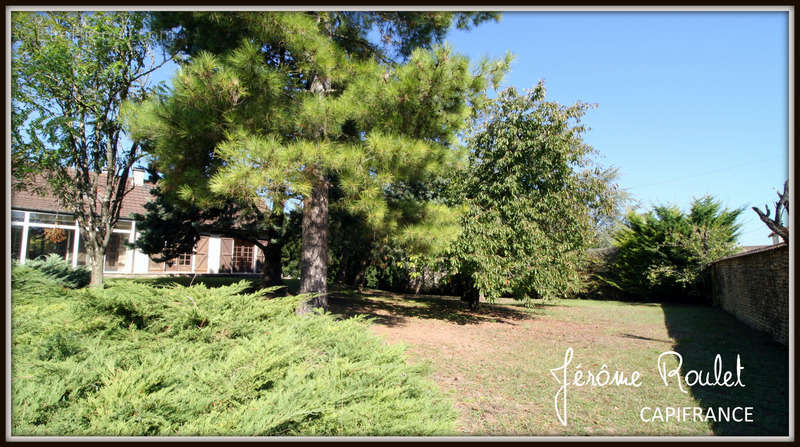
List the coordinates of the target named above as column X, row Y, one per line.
column 136, row 359
column 55, row 268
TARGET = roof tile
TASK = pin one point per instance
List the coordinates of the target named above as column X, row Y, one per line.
column 133, row 202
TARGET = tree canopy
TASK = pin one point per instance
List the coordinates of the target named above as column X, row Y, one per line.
column 531, row 193
column 294, row 108
column 72, row 75
column 662, row 253
column 399, row 32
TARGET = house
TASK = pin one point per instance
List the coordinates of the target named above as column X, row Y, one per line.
column 40, row 226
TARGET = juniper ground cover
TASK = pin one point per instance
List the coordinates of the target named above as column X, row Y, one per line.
column 144, row 359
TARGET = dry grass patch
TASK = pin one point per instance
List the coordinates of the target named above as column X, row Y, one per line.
column 495, row 363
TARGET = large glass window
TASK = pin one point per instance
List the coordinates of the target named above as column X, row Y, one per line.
column 48, row 218
column 16, row 241
column 116, row 252
column 70, row 245
column 82, row 251
column 45, row 241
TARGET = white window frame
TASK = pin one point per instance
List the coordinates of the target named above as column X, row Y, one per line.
column 24, row 244
column 77, row 246
column 26, row 224
column 252, row 263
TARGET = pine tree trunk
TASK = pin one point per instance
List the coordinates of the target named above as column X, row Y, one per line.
column 314, row 252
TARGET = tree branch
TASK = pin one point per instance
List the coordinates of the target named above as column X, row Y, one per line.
column 776, row 224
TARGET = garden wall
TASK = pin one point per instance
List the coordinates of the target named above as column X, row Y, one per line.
column 754, row 287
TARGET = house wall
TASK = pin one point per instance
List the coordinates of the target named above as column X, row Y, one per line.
column 754, row 287
column 238, row 256
column 214, row 247
column 197, row 263
column 260, row 258
column 141, row 261
column 211, row 254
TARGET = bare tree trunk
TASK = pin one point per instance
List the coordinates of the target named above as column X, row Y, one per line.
column 314, row 252
column 97, row 252
column 97, row 270
column 471, row 298
column 470, row 295
column 776, row 224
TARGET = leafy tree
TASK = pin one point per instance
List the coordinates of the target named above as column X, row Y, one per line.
column 301, row 107
column 531, row 193
column 662, row 253
column 72, row 74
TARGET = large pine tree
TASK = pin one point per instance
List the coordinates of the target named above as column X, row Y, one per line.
column 305, row 98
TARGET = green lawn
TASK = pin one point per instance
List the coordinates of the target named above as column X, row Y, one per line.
column 495, row 364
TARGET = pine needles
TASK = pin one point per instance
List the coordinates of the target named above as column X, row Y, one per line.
column 134, row 359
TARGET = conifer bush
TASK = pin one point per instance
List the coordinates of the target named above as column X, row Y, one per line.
column 663, row 254
column 135, row 359
column 60, row 271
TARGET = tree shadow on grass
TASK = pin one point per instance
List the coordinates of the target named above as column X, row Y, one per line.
column 542, row 304
column 388, row 309
column 700, row 333
column 639, row 337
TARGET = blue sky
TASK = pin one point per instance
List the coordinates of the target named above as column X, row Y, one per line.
column 689, row 103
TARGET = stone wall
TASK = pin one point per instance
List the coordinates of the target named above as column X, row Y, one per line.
column 754, row 287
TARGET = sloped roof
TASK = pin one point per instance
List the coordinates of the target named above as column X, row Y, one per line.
column 133, row 202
